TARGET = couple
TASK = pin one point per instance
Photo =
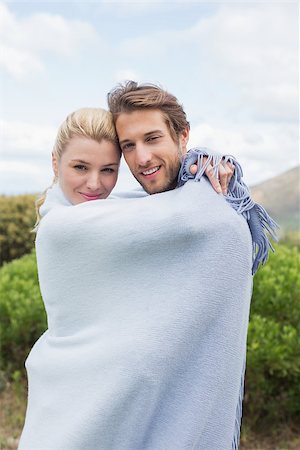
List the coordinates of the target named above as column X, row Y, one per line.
column 147, row 296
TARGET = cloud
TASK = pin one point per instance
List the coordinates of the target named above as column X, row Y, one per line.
column 26, row 139
column 249, row 50
column 18, row 177
column 25, row 158
column 263, row 151
column 18, row 168
column 236, row 70
column 139, row 8
column 156, row 45
column 126, row 74
column 17, row 62
column 255, row 49
column 26, row 41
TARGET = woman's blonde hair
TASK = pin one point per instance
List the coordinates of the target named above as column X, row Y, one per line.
column 93, row 123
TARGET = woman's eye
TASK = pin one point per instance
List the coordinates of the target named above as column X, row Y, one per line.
column 108, row 170
column 80, row 167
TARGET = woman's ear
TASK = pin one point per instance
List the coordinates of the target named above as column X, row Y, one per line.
column 55, row 164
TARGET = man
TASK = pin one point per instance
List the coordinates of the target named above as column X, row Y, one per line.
column 200, row 409
column 153, row 134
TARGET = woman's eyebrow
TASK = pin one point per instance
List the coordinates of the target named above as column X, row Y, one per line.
column 110, row 164
column 81, row 161
column 87, row 163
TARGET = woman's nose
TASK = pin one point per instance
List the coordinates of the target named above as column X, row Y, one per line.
column 93, row 182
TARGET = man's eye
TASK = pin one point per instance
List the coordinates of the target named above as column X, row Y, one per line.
column 127, row 146
column 153, row 138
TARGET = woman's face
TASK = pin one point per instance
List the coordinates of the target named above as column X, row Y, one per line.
column 87, row 169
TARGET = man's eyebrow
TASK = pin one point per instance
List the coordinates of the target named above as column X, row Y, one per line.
column 124, row 140
column 145, row 135
column 152, row 132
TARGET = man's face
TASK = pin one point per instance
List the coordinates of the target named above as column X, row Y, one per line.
column 149, row 150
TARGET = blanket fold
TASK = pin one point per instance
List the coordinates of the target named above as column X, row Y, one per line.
column 238, row 197
column 147, row 302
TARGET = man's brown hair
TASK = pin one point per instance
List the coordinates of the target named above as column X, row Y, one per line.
column 131, row 96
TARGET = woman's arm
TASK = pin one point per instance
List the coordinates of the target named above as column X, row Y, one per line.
column 206, row 162
column 219, row 181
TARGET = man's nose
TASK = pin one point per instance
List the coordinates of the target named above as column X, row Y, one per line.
column 93, row 182
column 143, row 155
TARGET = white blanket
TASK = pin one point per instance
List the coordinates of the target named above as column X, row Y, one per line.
column 147, row 301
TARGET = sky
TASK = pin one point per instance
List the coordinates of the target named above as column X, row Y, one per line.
column 233, row 65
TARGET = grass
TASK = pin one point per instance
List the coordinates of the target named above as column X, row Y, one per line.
column 12, row 413
column 13, row 406
column 285, row 437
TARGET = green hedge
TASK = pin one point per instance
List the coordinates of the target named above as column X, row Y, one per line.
column 273, row 350
column 22, row 315
column 273, row 356
column 17, row 220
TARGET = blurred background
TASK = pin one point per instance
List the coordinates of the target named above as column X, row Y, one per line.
column 233, row 65
column 235, row 68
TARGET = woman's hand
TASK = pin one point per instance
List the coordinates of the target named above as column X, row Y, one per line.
column 225, row 172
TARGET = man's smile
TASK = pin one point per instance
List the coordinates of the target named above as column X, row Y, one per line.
column 151, row 171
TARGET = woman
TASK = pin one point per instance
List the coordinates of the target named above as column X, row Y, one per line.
column 124, row 362
column 86, row 156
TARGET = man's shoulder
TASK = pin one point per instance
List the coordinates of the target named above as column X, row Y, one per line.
column 212, row 210
column 214, row 224
column 203, row 197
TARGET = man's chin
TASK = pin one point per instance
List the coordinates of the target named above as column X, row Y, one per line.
column 157, row 188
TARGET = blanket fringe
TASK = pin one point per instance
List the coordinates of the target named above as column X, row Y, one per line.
column 238, row 197
column 239, row 410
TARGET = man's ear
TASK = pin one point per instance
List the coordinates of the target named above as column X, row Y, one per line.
column 55, row 164
column 184, row 139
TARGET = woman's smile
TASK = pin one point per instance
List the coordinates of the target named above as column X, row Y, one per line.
column 90, row 196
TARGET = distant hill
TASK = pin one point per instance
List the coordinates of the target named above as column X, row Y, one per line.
column 280, row 196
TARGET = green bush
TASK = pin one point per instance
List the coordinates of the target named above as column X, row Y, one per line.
column 273, row 353
column 17, row 220
column 22, row 315
column 276, row 291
